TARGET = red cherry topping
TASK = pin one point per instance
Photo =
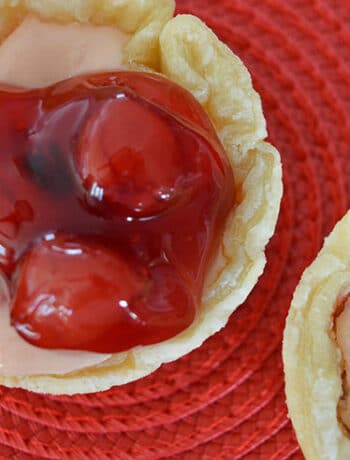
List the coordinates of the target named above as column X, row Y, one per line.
column 81, row 295
column 114, row 193
column 134, row 175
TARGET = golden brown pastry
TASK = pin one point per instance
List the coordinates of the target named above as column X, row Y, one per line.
column 187, row 52
column 316, row 351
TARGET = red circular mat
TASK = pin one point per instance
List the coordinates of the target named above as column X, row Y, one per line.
column 226, row 399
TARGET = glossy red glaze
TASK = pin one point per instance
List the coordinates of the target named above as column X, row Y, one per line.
column 114, row 192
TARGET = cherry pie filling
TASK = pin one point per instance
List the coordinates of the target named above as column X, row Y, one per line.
column 114, row 194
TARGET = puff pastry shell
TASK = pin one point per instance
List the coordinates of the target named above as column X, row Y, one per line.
column 312, row 360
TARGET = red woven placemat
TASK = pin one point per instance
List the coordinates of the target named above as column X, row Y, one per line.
column 226, row 399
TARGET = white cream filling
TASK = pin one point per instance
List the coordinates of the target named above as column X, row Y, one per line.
column 38, row 54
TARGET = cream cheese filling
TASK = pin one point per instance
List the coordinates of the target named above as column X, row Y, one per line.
column 38, row 54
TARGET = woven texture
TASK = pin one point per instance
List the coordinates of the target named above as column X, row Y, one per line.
column 226, row 399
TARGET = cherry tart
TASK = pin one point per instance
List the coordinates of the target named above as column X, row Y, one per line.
column 316, row 351
column 137, row 203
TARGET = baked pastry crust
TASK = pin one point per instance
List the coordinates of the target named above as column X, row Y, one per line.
column 188, row 52
column 312, row 360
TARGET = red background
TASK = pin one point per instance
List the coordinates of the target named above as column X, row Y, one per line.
column 226, row 399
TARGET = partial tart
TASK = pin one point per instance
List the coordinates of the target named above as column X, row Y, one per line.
column 316, row 351
column 186, row 51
